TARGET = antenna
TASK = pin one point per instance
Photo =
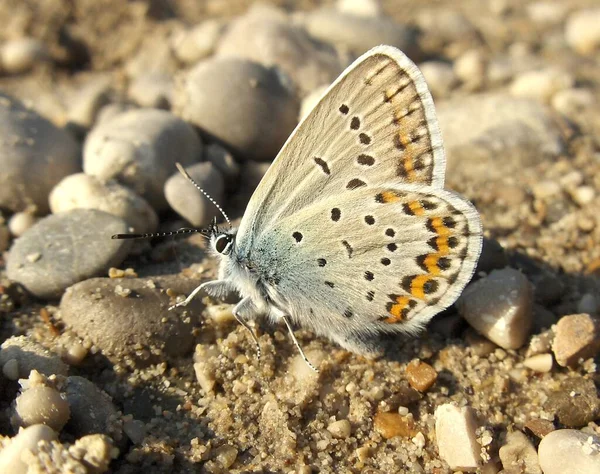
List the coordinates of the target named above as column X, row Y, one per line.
column 160, row 234
column 189, row 178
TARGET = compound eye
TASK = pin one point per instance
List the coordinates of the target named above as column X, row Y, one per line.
column 221, row 243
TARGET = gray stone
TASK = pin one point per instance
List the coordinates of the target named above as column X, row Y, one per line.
column 189, row 202
column 152, row 90
column 139, row 148
column 29, row 356
column 130, row 317
column 65, row 248
column 239, row 103
column 266, row 36
column 34, row 156
column 569, row 452
column 574, row 403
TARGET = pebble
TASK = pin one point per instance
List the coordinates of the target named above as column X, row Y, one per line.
column 444, row 25
column 226, row 455
column 134, row 324
column 539, row 362
column 500, row 307
column 42, row 405
column 27, row 439
column 21, row 222
column 55, row 253
column 152, row 90
column 135, row 430
column 588, row 304
column 541, row 84
column 456, row 438
column 569, row 452
column 154, row 56
column 420, row 375
column 205, row 366
column 224, row 162
column 83, row 191
column 23, row 54
column 22, row 355
column 577, row 337
column 583, row 195
column 582, row 32
column 574, row 403
column 189, row 202
column 480, row 128
column 265, row 35
column 29, row 142
column 264, row 110
column 547, row 12
column 389, row 425
column 518, row 454
column 470, row 68
column 340, row 429
column 359, row 33
column 92, row 410
column 440, row 77
column 368, row 8
column 87, row 102
column 139, row 149
column 198, row 42
column 571, row 102
column 539, row 428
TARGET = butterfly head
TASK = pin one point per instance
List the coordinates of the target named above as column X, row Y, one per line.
column 221, row 240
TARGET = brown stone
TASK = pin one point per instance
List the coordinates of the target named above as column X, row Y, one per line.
column 421, row 376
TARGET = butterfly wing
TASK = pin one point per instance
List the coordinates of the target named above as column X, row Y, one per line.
column 386, row 257
column 375, row 124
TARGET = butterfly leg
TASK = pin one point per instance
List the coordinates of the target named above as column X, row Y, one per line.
column 291, row 331
column 243, row 311
column 370, row 347
column 216, row 288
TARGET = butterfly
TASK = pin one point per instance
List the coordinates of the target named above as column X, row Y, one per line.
column 351, row 233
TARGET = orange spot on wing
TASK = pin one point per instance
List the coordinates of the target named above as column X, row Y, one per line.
column 407, row 162
column 416, row 208
column 431, row 263
column 390, row 197
column 397, row 309
column 417, row 284
column 438, row 225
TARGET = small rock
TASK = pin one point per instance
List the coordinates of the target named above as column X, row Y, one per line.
column 226, row 455
column 28, row 355
column 470, row 67
column 153, row 90
column 421, row 376
column 440, row 77
column 265, row 35
column 539, row 362
column 135, row 430
column 21, row 55
column 588, row 304
column 264, row 110
column 479, row 128
column 340, row 429
column 138, row 326
column 198, row 42
column 569, row 452
column 27, row 439
column 205, row 367
column 500, row 307
column 189, row 202
column 581, row 30
column 139, row 149
column 83, row 191
column 358, row 34
column 539, row 427
column 571, row 102
column 56, row 252
column 577, row 337
column 390, row 425
column 224, row 162
column 154, row 56
column 575, row 403
column 445, row 25
column 42, row 405
column 583, row 195
column 34, row 156
column 518, row 454
column 88, row 100
column 20, row 222
column 547, row 12
column 92, row 410
column 456, row 438
column 541, row 84
column 368, row 8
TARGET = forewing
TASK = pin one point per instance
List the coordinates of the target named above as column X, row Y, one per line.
column 380, row 258
column 375, row 124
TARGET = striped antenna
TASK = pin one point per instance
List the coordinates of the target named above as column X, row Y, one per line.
column 160, row 234
column 189, row 178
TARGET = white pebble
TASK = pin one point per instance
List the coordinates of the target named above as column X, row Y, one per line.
column 26, row 440
column 21, row 55
column 583, row 195
column 569, row 452
column 340, row 429
column 20, row 222
column 539, row 362
column 518, row 453
column 570, row 102
column 541, row 84
column 582, row 32
column 456, row 438
column 42, row 405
